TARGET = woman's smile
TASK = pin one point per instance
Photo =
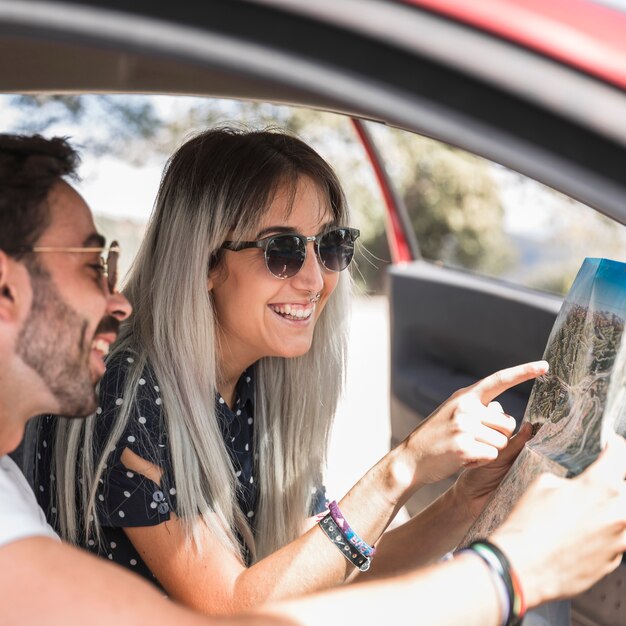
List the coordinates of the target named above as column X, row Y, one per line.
column 294, row 312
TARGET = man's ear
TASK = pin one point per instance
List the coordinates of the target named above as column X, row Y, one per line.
column 8, row 290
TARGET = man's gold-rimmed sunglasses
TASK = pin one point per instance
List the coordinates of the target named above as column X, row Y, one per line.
column 109, row 256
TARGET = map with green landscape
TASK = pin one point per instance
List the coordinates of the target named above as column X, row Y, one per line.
column 583, row 396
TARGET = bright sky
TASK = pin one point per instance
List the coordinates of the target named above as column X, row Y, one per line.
column 118, row 189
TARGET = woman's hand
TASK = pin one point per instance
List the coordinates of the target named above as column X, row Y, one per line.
column 475, row 486
column 468, row 430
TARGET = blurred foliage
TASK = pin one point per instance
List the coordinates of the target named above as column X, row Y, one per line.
column 452, row 201
column 115, row 122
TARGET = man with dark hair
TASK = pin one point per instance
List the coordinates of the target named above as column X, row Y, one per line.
column 60, row 311
column 48, row 236
column 29, row 166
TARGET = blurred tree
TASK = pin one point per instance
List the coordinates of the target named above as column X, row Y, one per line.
column 452, row 200
column 114, row 122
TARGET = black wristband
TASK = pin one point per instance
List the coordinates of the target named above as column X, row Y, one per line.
column 333, row 532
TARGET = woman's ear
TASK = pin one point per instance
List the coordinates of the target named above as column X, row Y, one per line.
column 217, row 275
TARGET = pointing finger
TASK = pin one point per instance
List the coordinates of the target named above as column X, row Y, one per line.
column 492, row 386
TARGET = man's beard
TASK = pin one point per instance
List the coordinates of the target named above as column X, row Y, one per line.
column 53, row 342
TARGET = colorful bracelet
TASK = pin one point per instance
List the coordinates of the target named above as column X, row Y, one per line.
column 334, row 533
column 364, row 548
column 497, row 561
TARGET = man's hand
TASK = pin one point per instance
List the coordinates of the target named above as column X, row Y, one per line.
column 565, row 534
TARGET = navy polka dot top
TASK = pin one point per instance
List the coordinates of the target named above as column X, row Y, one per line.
column 127, row 499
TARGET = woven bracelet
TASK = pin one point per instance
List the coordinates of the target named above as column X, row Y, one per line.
column 364, row 548
column 333, row 532
column 498, row 562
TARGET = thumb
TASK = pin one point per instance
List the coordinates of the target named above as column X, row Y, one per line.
column 516, row 443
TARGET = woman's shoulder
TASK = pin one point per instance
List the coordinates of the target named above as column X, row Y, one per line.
column 135, row 391
column 122, row 364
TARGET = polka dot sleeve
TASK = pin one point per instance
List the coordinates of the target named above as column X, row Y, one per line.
column 126, row 498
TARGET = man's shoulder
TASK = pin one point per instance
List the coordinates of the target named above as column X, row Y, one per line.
column 13, row 484
column 20, row 515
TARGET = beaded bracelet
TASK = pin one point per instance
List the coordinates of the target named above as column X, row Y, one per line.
column 334, row 533
column 497, row 561
column 364, row 548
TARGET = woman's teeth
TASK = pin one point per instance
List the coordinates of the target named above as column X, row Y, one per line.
column 292, row 312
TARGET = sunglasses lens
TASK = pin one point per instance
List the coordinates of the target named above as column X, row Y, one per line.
column 336, row 249
column 284, row 256
column 112, row 259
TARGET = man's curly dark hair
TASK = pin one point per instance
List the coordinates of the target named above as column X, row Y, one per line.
column 29, row 166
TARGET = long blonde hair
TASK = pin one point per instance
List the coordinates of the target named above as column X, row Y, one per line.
column 218, row 186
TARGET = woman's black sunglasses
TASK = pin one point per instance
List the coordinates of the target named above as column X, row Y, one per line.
column 285, row 254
